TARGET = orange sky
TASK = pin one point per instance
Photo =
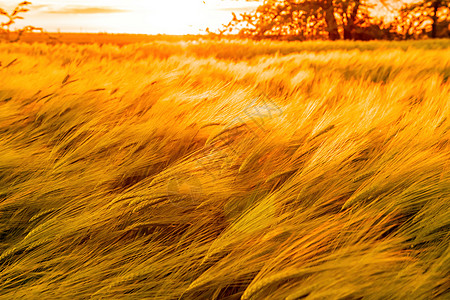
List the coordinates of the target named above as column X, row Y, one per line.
column 131, row 16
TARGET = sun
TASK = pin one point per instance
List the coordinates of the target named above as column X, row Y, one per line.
column 174, row 16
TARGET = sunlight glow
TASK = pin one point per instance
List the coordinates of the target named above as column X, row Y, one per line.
column 173, row 17
column 132, row 16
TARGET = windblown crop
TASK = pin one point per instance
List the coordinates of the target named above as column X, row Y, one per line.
column 225, row 170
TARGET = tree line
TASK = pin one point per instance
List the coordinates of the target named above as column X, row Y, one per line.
column 344, row 19
column 319, row 19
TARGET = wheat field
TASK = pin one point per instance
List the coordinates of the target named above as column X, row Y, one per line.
column 225, row 170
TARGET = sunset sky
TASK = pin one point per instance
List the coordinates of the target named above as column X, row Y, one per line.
column 131, row 16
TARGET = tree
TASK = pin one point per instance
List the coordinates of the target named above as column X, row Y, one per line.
column 306, row 19
column 436, row 6
column 431, row 17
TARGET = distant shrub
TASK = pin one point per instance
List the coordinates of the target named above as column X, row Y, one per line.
column 5, row 27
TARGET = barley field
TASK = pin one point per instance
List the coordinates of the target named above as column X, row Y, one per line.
column 225, row 170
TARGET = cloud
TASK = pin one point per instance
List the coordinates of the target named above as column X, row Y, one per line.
column 238, row 9
column 39, row 6
column 85, row 10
